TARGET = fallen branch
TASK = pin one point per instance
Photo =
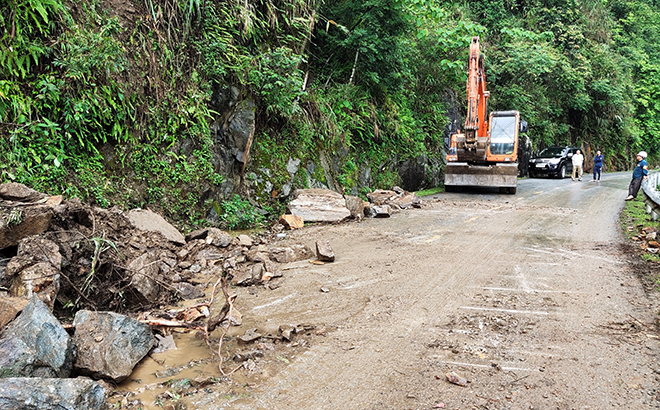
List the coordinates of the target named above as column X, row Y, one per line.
column 641, row 323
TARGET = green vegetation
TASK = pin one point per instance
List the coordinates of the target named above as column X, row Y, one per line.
column 237, row 213
column 635, row 223
column 431, row 191
column 125, row 111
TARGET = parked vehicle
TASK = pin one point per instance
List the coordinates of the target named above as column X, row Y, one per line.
column 552, row 161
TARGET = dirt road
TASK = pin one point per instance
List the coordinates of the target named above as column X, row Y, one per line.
column 528, row 297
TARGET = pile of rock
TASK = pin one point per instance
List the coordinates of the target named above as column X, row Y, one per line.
column 69, row 260
column 323, row 205
column 647, row 238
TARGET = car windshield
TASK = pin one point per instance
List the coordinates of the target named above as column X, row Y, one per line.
column 551, row 152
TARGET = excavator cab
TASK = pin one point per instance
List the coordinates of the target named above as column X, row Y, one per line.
column 504, row 129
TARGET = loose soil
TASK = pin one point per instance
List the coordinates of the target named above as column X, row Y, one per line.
column 533, row 299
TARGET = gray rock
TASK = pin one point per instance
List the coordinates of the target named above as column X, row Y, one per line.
column 110, row 344
column 36, row 270
column 218, row 238
column 198, row 234
column 144, row 271
column 250, row 336
column 51, row 394
column 40, row 332
column 291, row 253
column 355, row 205
column 383, row 211
column 164, row 343
column 149, row 221
column 188, row 291
column 324, row 252
column 244, row 240
column 318, row 205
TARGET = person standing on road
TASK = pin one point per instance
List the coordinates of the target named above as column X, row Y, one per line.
column 577, row 160
column 598, row 165
column 640, row 173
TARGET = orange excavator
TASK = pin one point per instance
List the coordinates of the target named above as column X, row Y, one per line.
column 486, row 154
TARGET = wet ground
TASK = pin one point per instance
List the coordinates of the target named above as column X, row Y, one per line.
column 529, row 297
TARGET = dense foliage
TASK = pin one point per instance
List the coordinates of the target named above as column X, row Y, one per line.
column 112, row 102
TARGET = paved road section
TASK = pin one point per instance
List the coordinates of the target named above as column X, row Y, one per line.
column 528, row 297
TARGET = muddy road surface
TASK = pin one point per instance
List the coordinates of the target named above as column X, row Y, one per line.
column 529, row 298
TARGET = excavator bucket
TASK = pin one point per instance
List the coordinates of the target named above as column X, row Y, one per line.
column 500, row 175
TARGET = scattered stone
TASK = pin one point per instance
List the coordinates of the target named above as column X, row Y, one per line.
column 250, row 336
column 110, row 344
column 170, row 371
column 318, row 205
column 241, row 356
column 244, row 240
column 54, row 201
column 37, row 333
column 456, row 379
column 355, row 205
column 291, row 253
column 198, row 234
column 255, row 255
column 51, row 394
column 324, row 252
column 187, row 291
column 13, row 191
column 219, row 238
column 382, row 211
column 381, row 196
column 654, row 244
column 23, row 222
column 651, row 236
column 164, row 343
column 407, row 200
column 325, row 289
column 292, row 221
column 287, row 332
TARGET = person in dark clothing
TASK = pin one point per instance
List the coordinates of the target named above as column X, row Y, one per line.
column 640, row 173
column 598, row 165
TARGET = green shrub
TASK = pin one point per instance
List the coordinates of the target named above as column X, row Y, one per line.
column 237, row 213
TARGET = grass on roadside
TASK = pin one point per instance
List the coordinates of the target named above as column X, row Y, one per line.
column 431, row 191
column 635, row 223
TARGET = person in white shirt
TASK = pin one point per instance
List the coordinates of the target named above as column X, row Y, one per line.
column 577, row 160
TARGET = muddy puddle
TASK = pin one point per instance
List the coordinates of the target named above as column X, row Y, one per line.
column 188, row 376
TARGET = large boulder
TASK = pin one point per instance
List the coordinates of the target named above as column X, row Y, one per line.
column 318, row 205
column 15, row 192
column 20, row 223
column 149, row 221
column 110, row 344
column 51, row 394
column 37, row 333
